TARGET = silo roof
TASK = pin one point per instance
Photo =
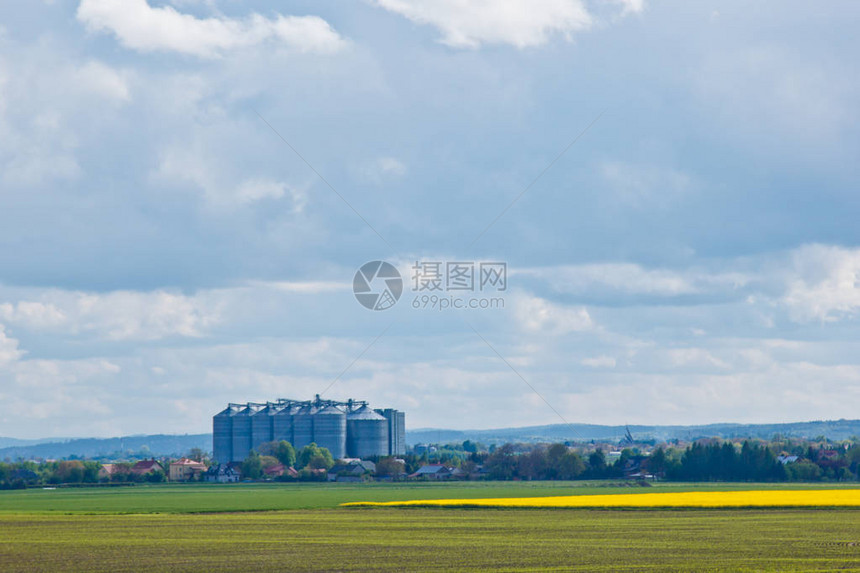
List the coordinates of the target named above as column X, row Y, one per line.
column 230, row 410
column 250, row 409
column 330, row 410
column 364, row 413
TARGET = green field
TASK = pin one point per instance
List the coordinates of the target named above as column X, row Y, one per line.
column 299, row 527
column 451, row 540
column 206, row 498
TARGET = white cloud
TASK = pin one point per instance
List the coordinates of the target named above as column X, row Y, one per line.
column 102, row 80
column 645, row 185
column 779, row 93
column 631, row 6
column 252, row 190
column 33, row 314
column 824, row 283
column 696, row 357
column 195, row 165
column 383, row 169
column 536, row 314
column 599, row 362
column 629, row 278
column 520, row 23
column 139, row 26
column 256, row 189
column 391, row 165
column 123, row 315
column 117, row 315
column 8, row 348
column 46, row 111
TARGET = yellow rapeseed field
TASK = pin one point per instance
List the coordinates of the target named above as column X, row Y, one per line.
column 704, row 499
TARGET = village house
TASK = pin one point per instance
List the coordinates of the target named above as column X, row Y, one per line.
column 432, row 472
column 222, row 473
column 186, row 470
column 146, row 467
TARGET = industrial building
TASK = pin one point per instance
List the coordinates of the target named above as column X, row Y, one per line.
column 348, row 429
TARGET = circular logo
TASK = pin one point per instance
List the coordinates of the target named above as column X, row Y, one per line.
column 377, row 285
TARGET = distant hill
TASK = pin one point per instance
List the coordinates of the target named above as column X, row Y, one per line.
column 9, row 442
column 155, row 445
column 834, row 430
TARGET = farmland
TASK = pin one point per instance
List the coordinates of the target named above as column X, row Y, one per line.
column 392, row 539
column 301, row 527
column 682, row 500
column 205, row 498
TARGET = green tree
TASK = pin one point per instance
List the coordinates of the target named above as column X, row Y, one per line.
column 597, row 464
column 389, row 467
column 252, row 467
column 803, row 471
column 311, row 451
column 71, row 471
column 502, row 463
column 286, row 453
column 268, row 461
column 570, row 466
column 657, row 462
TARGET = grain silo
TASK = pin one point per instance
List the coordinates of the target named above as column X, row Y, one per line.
column 222, row 433
column 303, row 426
column 261, row 426
column 330, row 430
column 396, row 430
column 282, row 422
column 366, row 433
column 348, row 428
column 242, row 431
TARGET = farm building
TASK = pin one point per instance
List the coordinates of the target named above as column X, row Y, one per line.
column 185, row 469
column 346, row 429
column 146, row 467
column 223, row 473
column 433, row 472
column 351, row 470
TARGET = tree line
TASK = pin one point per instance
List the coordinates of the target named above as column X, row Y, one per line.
column 704, row 460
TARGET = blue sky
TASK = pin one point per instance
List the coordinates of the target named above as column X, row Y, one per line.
column 692, row 258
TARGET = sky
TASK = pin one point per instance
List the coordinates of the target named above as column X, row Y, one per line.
column 187, row 188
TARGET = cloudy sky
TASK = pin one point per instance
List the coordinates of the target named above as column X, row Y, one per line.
column 187, row 188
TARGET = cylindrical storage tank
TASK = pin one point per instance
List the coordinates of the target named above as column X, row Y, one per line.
column 222, row 434
column 330, row 430
column 366, row 434
column 242, row 432
column 282, row 423
column 303, row 426
column 261, row 427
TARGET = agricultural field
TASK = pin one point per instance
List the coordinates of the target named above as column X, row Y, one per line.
column 821, row 498
column 206, row 498
column 302, row 527
column 422, row 539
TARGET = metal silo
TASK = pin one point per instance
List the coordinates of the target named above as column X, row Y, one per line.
column 330, row 430
column 282, row 422
column 396, row 430
column 261, row 426
column 303, row 426
column 366, row 433
column 242, row 431
column 222, row 433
